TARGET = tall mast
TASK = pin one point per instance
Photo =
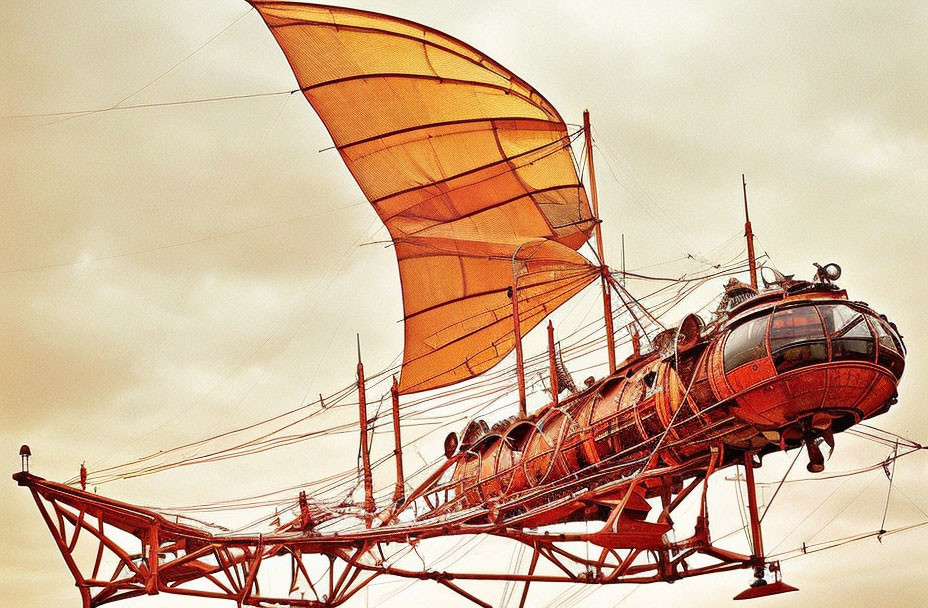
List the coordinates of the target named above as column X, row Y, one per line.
column 517, row 331
column 552, row 365
column 365, row 454
column 604, row 270
column 749, row 235
column 399, row 492
column 622, row 282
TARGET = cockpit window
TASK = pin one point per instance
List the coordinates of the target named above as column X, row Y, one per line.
column 890, row 348
column 795, row 325
column 797, row 338
column 851, row 338
column 838, row 317
column 885, row 336
column 746, row 343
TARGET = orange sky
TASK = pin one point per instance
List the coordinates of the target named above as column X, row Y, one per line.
column 167, row 273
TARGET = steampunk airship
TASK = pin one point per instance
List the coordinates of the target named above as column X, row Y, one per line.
column 473, row 173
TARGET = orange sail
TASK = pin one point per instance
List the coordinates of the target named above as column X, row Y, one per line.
column 469, row 168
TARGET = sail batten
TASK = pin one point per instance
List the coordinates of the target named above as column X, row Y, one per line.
column 469, row 168
column 433, row 125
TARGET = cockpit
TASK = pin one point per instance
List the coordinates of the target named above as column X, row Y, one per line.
column 807, row 333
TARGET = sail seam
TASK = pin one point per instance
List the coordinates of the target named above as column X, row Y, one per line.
column 564, row 141
column 448, row 123
column 496, row 206
column 577, row 273
column 480, row 64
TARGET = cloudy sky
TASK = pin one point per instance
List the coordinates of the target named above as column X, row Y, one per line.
column 170, row 272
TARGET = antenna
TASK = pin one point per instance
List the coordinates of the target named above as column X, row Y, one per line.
column 749, row 235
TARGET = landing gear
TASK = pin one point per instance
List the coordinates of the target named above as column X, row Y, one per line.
column 759, row 587
column 759, row 580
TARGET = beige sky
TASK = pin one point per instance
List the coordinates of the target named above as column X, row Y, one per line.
column 170, row 272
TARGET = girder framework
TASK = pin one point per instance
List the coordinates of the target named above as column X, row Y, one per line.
column 116, row 551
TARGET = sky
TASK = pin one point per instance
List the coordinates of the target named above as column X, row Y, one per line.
column 169, row 272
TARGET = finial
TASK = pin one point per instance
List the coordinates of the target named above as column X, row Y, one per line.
column 24, row 454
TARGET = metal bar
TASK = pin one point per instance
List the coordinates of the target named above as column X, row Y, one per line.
column 460, row 591
column 345, row 590
column 552, row 365
column 549, row 555
column 252, row 573
column 349, row 563
column 77, row 529
column 215, row 580
column 331, row 575
column 399, row 492
column 99, row 558
column 531, row 571
column 749, row 235
column 68, row 560
column 227, row 563
column 604, row 270
column 302, row 568
column 517, row 331
column 365, row 453
column 151, row 586
column 757, row 538
column 187, row 558
column 684, row 493
column 111, row 545
column 347, row 595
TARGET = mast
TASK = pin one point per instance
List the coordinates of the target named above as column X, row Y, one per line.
column 604, row 270
column 365, row 453
column 399, row 493
column 517, row 331
column 622, row 282
column 749, row 235
column 552, row 364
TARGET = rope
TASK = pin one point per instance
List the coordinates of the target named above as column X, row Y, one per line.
column 780, row 485
column 889, row 492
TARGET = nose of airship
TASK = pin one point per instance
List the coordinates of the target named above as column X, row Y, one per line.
column 809, row 358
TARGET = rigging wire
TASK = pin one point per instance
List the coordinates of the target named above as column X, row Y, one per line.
column 119, row 104
column 349, row 428
column 191, row 54
column 203, row 239
column 741, row 508
column 286, row 441
column 807, row 549
column 889, row 491
column 846, row 475
column 338, row 269
column 780, row 485
column 691, row 246
column 573, row 598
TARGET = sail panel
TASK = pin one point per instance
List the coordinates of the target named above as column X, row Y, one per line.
column 454, row 333
column 465, row 163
